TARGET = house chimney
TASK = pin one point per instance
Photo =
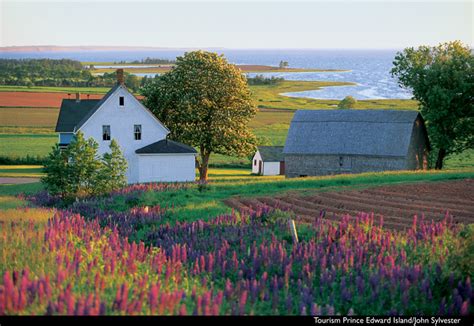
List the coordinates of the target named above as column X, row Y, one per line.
column 120, row 79
column 78, row 97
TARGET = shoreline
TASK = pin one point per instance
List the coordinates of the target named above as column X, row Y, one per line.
column 163, row 68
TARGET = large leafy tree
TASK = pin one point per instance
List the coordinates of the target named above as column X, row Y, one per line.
column 442, row 80
column 205, row 102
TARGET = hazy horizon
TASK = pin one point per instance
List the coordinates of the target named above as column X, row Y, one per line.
column 378, row 25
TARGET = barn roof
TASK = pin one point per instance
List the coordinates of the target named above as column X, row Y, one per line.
column 351, row 132
column 166, row 146
column 73, row 114
column 271, row 153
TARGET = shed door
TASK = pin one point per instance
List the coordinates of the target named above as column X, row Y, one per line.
column 282, row 167
column 260, row 170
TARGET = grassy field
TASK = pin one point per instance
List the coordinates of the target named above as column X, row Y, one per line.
column 27, row 117
column 15, row 171
column 31, row 130
column 270, row 126
column 19, row 145
column 269, row 96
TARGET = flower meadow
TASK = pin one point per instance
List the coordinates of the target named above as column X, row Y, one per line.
column 238, row 264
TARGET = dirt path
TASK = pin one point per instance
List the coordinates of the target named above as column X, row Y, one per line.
column 5, row 180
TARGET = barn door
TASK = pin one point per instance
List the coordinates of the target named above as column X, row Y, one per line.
column 260, row 170
column 282, row 167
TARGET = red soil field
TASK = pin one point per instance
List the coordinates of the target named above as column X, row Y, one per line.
column 397, row 203
column 39, row 99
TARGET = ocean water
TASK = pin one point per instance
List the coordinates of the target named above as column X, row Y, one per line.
column 369, row 69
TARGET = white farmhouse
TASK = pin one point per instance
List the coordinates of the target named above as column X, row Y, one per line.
column 268, row 160
column 142, row 137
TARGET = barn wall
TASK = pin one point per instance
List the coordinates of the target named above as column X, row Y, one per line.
column 418, row 150
column 313, row 165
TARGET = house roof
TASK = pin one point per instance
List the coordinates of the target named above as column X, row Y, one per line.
column 73, row 114
column 351, row 132
column 166, row 146
column 271, row 153
column 98, row 105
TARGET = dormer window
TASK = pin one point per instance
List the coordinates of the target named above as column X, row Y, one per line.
column 137, row 132
column 105, row 132
column 121, row 101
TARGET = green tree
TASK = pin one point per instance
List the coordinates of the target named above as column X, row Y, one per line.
column 347, row 103
column 205, row 102
column 83, row 166
column 283, row 64
column 79, row 171
column 442, row 80
column 56, row 172
column 132, row 82
column 114, row 168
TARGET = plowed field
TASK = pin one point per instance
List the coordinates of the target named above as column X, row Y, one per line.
column 33, row 99
column 396, row 203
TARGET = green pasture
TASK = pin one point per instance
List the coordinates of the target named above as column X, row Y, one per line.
column 20, row 145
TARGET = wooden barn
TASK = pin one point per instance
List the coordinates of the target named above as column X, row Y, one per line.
column 268, row 160
column 325, row 142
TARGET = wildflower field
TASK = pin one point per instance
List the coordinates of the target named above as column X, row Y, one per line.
column 88, row 259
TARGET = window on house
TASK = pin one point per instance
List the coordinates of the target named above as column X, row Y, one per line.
column 255, row 162
column 341, row 161
column 137, row 132
column 121, row 101
column 105, row 132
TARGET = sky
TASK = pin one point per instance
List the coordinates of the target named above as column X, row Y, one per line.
column 236, row 24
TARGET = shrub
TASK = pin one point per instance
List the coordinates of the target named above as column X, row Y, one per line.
column 78, row 171
column 347, row 103
column 25, row 160
column 261, row 80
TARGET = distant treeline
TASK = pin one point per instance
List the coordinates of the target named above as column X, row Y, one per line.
column 57, row 73
column 71, row 73
column 261, row 80
column 148, row 60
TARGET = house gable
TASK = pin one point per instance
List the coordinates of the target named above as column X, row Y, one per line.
column 112, row 99
column 121, row 120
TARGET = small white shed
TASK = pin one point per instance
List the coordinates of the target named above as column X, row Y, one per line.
column 268, row 160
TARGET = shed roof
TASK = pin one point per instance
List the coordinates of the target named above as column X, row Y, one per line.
column 166, row 146
column 351, row 132
column 271, row 153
